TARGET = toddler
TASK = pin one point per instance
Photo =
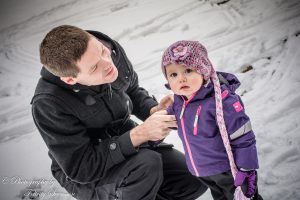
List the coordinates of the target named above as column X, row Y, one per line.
column 216, row 133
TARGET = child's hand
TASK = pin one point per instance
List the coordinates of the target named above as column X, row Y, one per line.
column 166, row 102
column 248, row 180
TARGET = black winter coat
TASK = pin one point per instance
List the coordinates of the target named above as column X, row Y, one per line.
column 86, row 129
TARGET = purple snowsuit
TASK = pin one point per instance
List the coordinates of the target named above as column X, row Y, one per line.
column 198, row 130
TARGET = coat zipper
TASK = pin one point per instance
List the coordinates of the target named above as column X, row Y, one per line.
column 188, row 147
column 184, row 134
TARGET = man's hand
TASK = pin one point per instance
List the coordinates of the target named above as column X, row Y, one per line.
column 163, row 104
column 156, row 127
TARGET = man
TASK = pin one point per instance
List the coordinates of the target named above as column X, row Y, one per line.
column 82, row 107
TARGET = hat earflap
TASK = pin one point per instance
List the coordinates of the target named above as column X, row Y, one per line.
column 167, row 85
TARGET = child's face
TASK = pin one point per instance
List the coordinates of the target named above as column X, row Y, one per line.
column 182, row 80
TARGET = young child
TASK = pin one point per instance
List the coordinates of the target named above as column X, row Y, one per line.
column 215, row 131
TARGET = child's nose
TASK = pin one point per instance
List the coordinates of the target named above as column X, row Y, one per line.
column 182, row 78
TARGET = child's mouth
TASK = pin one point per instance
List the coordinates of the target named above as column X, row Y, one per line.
column 184, row 87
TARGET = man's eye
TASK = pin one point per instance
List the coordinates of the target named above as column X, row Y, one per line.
column 94, row 68
column 105, row 52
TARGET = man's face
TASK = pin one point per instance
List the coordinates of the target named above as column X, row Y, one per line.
column 96, row 65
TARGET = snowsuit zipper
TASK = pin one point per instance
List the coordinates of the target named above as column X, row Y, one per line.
column 185, row 135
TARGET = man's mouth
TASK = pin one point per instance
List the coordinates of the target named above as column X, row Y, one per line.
column 110, row 71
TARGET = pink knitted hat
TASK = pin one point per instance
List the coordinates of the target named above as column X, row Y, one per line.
column 193, row 55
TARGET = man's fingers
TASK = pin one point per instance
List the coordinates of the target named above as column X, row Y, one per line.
column 161, row 112
column 163, row 117
column 171, row 124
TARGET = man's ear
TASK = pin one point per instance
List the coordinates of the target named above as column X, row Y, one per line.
column 69, row 80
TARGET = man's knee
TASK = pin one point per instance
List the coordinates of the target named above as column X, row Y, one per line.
column 145, row 175
column 150, row 161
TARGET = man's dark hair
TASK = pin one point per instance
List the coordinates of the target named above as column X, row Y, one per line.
column 61, row 48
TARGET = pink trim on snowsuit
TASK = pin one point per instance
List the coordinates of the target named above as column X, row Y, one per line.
column 184, row 133
column 196, row 120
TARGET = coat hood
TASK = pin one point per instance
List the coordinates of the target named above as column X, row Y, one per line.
column 229, row 80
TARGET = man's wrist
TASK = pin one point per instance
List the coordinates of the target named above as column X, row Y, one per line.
column 137, row 137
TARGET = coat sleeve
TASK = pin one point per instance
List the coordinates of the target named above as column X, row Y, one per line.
column 241, row 136
column 67, row 141
column 142, row 102
column 170, row 110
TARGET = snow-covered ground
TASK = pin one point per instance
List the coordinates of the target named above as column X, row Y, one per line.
column 261, row 35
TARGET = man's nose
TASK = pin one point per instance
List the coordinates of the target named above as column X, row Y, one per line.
column 106, row 59
column 106, row 62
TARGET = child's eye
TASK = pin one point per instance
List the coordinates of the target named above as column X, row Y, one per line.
column 173, row 75
column 188, row 71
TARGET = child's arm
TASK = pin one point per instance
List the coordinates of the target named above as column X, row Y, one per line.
column 241, row 135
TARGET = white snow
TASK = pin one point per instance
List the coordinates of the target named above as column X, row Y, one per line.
column 264, row 34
